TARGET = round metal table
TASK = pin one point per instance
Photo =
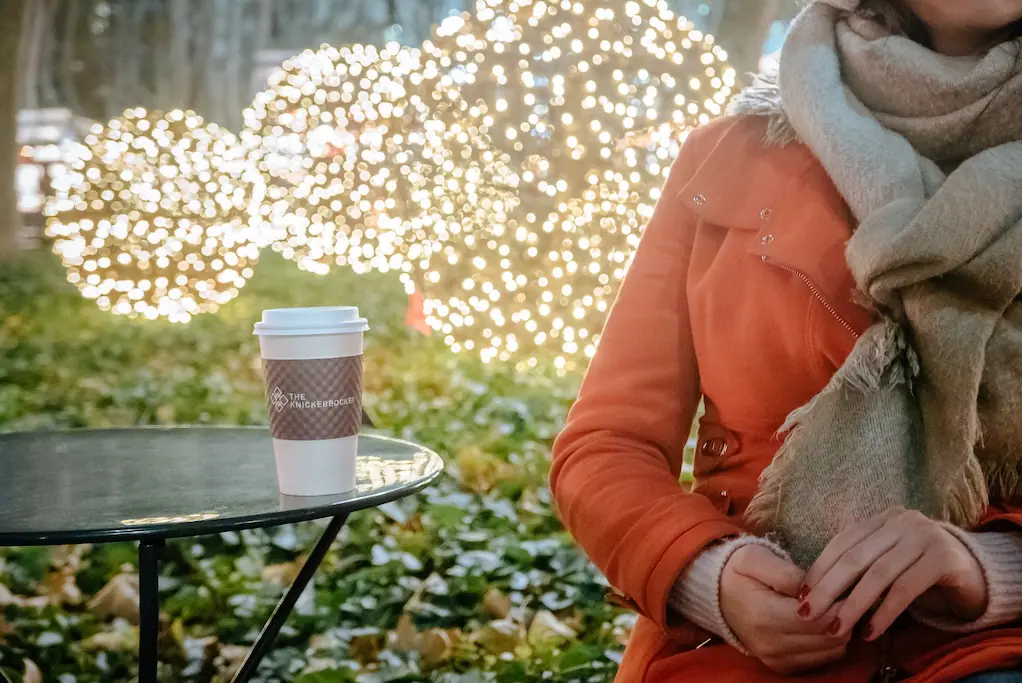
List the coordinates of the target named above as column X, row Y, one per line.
column 151, row 484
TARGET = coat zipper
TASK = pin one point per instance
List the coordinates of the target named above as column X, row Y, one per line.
column 816, row 293
column 888, row 673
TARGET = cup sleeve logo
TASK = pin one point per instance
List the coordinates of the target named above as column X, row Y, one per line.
column 314, row 399
column 278, row 399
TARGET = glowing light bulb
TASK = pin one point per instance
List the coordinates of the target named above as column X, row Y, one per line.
column 591, row 105
column 374, row 182
column 153, row 219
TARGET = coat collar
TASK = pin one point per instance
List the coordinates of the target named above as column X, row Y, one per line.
column 783, row 195
column 730, row 187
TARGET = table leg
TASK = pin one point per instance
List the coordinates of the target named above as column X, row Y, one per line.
column 149, row 609
column 287, row 603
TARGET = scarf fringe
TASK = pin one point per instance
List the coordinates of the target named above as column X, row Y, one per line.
column 1003, row 480
column 882, row 359
column 968, row 500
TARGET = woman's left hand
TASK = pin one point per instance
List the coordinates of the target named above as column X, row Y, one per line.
column 893, row 559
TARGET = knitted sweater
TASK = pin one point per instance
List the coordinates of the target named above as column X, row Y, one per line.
column 696, row 594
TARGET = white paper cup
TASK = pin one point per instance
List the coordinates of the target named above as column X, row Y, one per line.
column 312, row 359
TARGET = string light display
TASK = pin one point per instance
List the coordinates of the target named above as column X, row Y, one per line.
column 591, row 99
column 357, row 172
column 151, row 220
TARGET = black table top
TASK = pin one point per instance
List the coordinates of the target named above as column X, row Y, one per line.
column 128, row 484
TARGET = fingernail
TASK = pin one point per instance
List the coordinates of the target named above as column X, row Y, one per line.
column 803, row 593
column 834, row 627
column 804, row 610
column 867, row 632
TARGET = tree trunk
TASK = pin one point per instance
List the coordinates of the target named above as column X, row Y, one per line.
column 743, row 29
column 69, row 39
column 48, row 45
column 11, row 17
column 31, row 20
column 181, row 55
column 234, row 96
column 264, row 25
column 215, row 106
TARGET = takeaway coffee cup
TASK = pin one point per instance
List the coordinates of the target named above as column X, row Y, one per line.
column 312, row 359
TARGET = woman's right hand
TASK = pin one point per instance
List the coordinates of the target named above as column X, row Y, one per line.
column 759, row 594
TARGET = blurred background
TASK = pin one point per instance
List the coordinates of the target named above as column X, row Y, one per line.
column 474, row 176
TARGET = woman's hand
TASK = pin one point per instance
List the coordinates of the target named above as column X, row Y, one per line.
column 890, row 562
column 759, row 600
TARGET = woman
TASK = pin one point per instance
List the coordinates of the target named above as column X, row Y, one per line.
column 841, row 257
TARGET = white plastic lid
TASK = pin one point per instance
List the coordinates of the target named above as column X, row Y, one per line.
column 293, row 322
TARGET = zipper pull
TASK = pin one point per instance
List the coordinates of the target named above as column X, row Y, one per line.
column 887, row 674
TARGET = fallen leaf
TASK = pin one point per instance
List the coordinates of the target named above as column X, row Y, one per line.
column 405, row 638
column 323, row 641
column 546, row 630
column 32, row 673
column 228, row 660
column 60, row 587
column 282, row 574
column 7, row 597
column 502, row 635
column 123, row 637
column 573, row 619
column 496, row 603
column 366, row 648
column 69, row 556
column 437, row 645
column 118, row 598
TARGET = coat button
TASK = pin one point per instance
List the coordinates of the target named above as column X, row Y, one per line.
column 699, row 200
column 723, row 502
column 714, row 448
column 765, row 214
column 767, row 239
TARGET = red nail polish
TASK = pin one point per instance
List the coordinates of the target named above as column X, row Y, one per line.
column 867, row 632
column 803, row 593
column 804, row 610
column 834, row 627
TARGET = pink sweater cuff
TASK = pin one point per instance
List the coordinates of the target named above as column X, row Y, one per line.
column 696, row 593
column 1000, row 556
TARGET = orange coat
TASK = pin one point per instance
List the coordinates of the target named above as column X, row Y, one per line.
column 740, row 296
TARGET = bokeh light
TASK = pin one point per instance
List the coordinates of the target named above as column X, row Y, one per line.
column 151, row 220
column 357, row 173
column 591, row 100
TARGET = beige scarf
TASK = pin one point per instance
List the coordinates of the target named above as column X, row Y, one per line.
column 927, row 410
